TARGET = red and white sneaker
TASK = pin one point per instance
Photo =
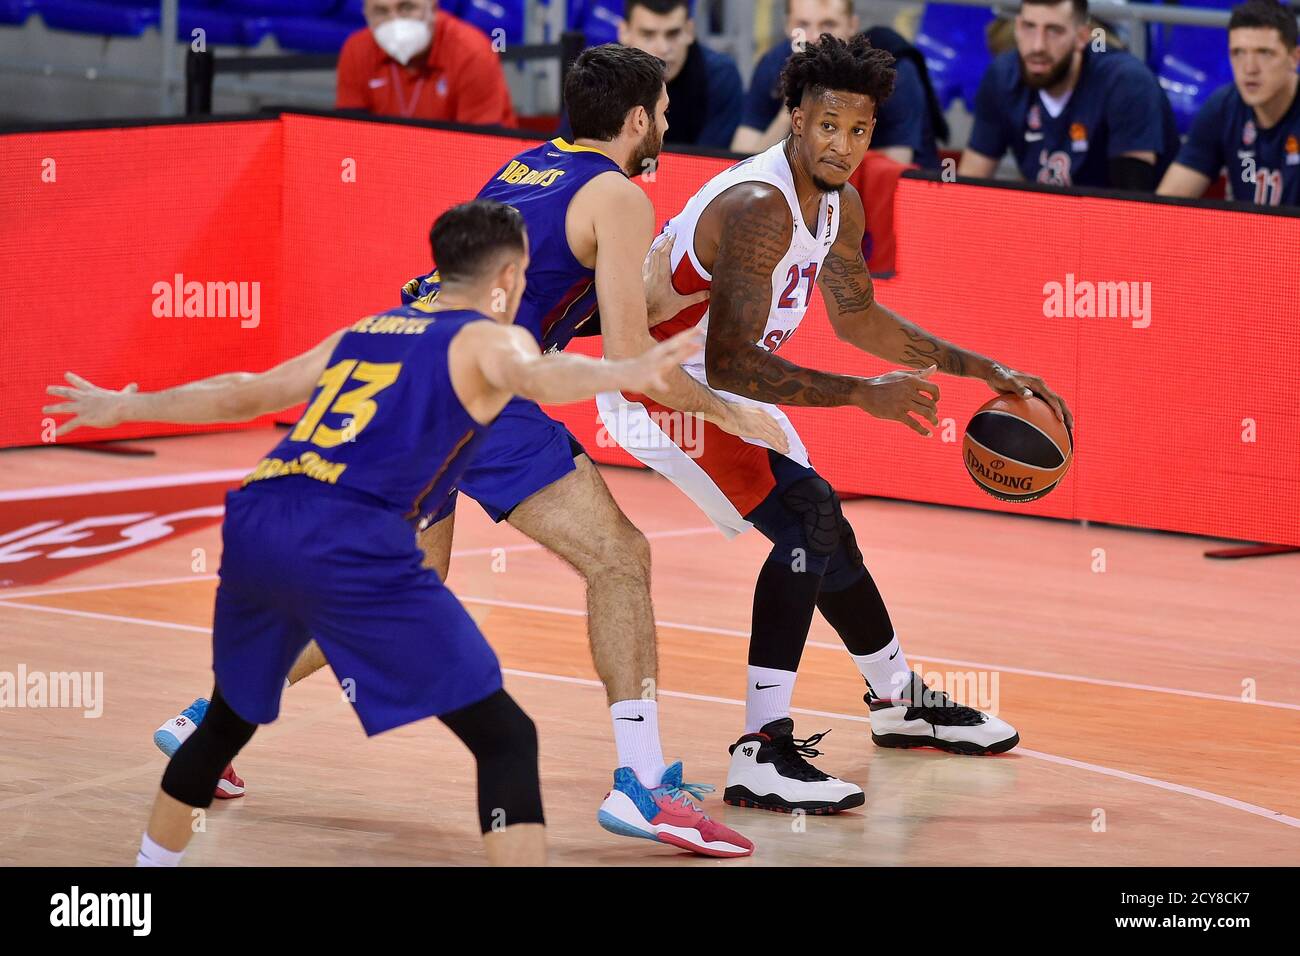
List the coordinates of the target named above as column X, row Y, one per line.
column 666, row 814
column 231, row 785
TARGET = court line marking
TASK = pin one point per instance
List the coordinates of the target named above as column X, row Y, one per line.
column 186, row 579
column 826, row 645
column 698, row 628
column 124, row 484
column 1231, row 803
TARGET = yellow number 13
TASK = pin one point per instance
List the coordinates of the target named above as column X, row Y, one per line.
column 356, row 402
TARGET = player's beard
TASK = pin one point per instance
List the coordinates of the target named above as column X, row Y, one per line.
column 1051, row 78
column 646, row 156
column 826, row 187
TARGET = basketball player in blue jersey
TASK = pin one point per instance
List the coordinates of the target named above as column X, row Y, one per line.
column 1251, row 126
column 591, row 229
column 318, row 540
column 1069, row 114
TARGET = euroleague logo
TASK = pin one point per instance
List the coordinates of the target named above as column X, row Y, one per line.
column 42, row 538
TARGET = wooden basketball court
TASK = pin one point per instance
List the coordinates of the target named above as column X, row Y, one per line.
column 1158, row 700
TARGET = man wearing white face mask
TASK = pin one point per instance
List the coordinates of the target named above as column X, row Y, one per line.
column 417, row 61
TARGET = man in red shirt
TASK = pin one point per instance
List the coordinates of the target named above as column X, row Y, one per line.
column 417, row 61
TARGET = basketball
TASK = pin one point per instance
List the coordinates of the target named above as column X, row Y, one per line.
column 1016, row 448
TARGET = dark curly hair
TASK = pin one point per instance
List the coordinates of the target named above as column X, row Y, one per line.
column 832, row 64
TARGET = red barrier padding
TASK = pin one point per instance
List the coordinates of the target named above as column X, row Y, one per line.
column 1185, row 423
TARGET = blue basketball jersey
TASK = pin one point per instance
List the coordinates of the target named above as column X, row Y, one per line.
column 1262, row 164
column 1116, row 107
column 384, row 420
column 560, row 298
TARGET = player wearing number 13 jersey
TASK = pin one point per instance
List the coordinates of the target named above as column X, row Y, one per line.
column 318, row 543
column 759, row 237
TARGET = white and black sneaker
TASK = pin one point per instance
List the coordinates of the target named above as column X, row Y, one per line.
column 922, row 717
column 770, row 771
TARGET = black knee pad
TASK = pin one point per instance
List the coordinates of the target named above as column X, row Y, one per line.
column 818, row 508
column 846, row 564
column 191, row 776
column 503, row 740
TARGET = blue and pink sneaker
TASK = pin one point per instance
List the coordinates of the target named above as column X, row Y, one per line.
column 667, row 814
column 169, row 737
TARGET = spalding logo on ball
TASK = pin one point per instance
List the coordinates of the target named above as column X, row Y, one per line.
column 1016, row 448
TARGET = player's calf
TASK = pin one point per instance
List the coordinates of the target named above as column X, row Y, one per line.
column 503, row 740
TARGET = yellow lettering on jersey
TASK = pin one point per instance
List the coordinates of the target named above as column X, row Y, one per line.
column 518, row 174
column 308, row 463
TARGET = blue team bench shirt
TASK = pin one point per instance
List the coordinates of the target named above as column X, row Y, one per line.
column 1116, row 107
column 1262, row 165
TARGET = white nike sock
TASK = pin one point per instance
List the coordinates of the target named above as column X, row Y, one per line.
column 887, row 670
column 151, row 854
column 636, row 734
column 767, row 696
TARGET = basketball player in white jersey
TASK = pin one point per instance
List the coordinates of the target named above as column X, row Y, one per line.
column 759, row 236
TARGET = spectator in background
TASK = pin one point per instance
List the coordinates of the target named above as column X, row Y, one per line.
column 1069, row 115
column 417, row 61
column 705, row 92
column 1251, row 126
column 907, row 122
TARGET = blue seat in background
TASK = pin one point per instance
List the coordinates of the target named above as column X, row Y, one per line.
column 287, row 8
column 952, row 40
column 1189, row 62
column 16, row 11
column 489, row 15
column 598, row 19
column 103, row 19
column 220, row 27
column 311, row 34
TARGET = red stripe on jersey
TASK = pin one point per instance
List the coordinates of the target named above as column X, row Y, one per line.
column 743, row 472
column 567, row 301
column 686, row 279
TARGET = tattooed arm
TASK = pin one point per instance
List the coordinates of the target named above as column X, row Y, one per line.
column 860, row 320
column 755, row 227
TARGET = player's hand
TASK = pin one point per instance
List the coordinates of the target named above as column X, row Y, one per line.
column 903, row 396
column 751, row 421
column 1002, row 379
column 88, row 404
column 649, row 371
column 662, row 301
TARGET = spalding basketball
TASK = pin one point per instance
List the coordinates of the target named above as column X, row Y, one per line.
column 1016, row 448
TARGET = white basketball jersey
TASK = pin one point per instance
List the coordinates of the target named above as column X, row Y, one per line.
column 793, row 280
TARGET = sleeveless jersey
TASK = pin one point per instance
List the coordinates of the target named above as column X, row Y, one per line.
column 560, row 298
column 384, row 420
column 793, row 280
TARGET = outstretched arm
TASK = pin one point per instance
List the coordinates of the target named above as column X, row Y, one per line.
column 624, row 230
column 490, row 363
column 860, row 320
column 231, row 397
